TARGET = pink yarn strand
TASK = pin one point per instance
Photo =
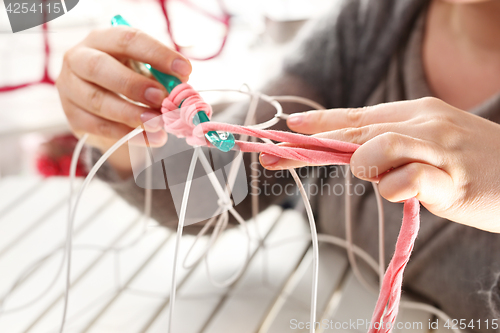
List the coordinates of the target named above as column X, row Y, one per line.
column 312, row 157
column 300, row 139
column 390, row 293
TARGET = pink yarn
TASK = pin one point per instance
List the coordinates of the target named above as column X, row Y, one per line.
column 390, row 293
column 313, row 151
column 179, row 121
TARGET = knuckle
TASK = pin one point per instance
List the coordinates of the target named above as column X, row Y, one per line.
column 94, row 64
column 390, row 145
column 430, row 102
column 444, row 159
column 96, row 99
column 441, row 118
column 355, row 135
column 68, row 56
column 354, row 116
column 153, row 52
column 444, row 129
column 126, row 84
column 317, row 117
column 414, row 173
column 95, row 33
column 127, row 37
column 129, row 115
column 440, row 129
column 104, row 129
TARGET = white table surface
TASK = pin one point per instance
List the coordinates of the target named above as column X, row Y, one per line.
column 127, row 291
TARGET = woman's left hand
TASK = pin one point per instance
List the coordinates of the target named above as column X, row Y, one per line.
column 425, row 148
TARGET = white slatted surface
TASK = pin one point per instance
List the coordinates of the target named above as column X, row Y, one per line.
column 128, row 290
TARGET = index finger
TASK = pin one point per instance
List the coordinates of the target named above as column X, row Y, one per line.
column 312, row 122
column 134, row 44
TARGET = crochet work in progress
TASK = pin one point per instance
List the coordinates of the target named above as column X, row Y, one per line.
column 179, row 121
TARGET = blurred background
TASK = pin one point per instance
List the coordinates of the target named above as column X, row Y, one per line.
column 246, row 49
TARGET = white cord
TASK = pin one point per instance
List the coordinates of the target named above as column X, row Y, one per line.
column 229, row 281
column 431, row 309
column 348, row 233
column 180, row 226
column 372, row 264
column 300, row 100
column 203, row 231
column 69, row 236
column 87, row 180
column 315, row 251
column 381, row 238
column 224, row 199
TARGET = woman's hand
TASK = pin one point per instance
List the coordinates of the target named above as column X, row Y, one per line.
column 93, row 76
column 446, row 157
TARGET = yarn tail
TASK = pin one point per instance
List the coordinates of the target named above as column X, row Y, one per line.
column 390, row 293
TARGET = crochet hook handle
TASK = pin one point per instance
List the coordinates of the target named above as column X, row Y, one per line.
column 224, row 141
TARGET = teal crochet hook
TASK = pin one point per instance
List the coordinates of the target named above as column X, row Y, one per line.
column 224, row 141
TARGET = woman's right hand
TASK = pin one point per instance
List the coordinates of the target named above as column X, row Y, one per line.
column 93, row 76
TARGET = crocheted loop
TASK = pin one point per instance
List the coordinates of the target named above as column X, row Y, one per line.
column 179, row 121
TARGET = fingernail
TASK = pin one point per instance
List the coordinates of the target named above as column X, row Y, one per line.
column 152, row 121
column 295, row 119
column 268, row 160
column 181, row 67
column 154, row 96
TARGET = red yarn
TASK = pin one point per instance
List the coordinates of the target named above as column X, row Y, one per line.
column 311, row 150
column 223, row 19
column 54, row 157
column 46, row 79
